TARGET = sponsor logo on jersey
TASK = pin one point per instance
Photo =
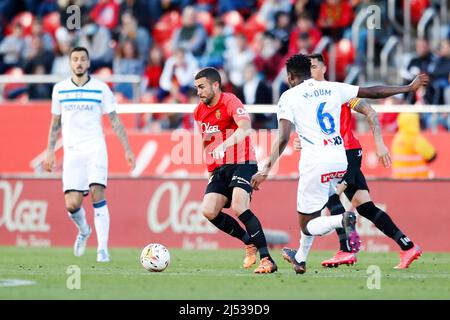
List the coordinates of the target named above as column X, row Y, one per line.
column 207, row 128
column 331, row 175
column 334, row 141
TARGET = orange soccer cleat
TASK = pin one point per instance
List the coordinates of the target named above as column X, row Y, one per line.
column 341, row 257
column 250, row 255
column 408, row 256
column 266, row 266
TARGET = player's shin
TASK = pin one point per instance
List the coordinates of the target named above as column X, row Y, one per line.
column 101, row 221
column 256, row 232
column 304, row 248
column 335, row 206
column 385, row 224
column 79, row 218
column 228, row 224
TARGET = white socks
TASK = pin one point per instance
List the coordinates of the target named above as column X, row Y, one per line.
column 305, row 245
column 101, row 221
column 324, row 224
column 79, row 218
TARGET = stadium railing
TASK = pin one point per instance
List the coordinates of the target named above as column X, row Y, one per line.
column 269, row 108
column 134, row 80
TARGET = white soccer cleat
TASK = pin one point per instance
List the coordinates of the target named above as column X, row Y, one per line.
column 103, row 256
column 79, row 246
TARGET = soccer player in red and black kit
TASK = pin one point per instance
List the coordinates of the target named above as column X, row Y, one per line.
column 354, row 182
column 225, row 126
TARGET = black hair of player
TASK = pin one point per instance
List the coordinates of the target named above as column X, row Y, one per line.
column 299, row 65
column 212, row 74
column 78, row 49
column 317, row 56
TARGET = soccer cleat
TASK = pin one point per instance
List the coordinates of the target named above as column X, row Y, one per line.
column 102, row 256
column 250, row 256
column 266, row 266
column 341, row 257
column 79, row 246
column 289, row 255
column 408, row 256
column 349, row 225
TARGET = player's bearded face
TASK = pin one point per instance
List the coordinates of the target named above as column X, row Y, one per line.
column 205, row 90
column 79, row 62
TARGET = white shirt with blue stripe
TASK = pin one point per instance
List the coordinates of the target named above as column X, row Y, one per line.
column 314, row 107
column 81, row 109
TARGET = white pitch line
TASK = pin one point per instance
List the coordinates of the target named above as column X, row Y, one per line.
column 15, row 282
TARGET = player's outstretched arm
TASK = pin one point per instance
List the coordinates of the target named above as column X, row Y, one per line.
column 284, row 133
column 55, row 128
column 378, row 92
column 118, row 128
column 243, row 130
column 372, row 118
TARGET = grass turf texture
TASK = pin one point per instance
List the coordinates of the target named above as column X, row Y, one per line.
column 218, row 274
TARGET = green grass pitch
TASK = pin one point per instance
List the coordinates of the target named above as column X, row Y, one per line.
column 218, row 274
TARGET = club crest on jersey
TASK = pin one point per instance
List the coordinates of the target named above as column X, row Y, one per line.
column 218, row 114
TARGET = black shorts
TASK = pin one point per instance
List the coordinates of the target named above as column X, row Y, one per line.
column 354, row 177
column 229, row 176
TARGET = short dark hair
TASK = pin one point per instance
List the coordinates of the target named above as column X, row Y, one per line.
column 299, row 65
column 317, row 56
column 212, row 74
column 78, row 49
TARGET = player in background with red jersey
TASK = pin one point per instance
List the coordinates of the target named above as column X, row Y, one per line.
column 226, row 126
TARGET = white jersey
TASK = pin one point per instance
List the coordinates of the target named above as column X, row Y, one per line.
column 314, row 107
column 81, row 109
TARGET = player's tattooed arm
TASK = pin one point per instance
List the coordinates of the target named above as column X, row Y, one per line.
column 55, row 128
column 378, row 92
column 118, row 128
column 371, row 115
column 372, row 118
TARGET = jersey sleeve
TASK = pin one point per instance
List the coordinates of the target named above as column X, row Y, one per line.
column 109, row 103
column 347, row 91
column 237, row 110
column 284, row 110
column 56, row 105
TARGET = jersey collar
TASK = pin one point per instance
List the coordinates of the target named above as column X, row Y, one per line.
column 89, row 79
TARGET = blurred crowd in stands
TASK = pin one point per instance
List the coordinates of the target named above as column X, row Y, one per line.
column 167, row 41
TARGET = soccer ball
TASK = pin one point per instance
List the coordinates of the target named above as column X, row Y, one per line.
column 155, row 257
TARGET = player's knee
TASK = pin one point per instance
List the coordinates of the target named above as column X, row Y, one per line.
column 209, row 212
column 97, row 193
column 238, row 207
column 72, row 205
column 305, row 231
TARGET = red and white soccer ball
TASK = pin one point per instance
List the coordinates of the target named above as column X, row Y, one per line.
column 155, row 257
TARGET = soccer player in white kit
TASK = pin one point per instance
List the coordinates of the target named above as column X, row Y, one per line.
column 314, row 108
column 78, row 104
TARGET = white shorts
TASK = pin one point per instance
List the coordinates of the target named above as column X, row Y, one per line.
column 85, row 164
column 316, row 184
